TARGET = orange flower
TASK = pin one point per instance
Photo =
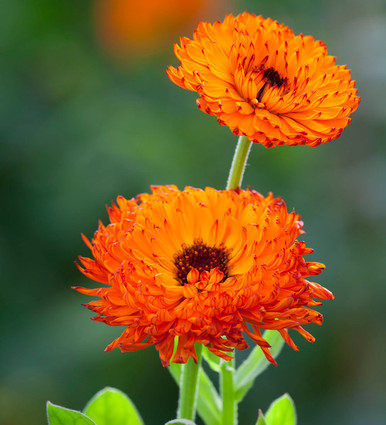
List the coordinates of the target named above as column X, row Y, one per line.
column 204, row 265
column 263, row 82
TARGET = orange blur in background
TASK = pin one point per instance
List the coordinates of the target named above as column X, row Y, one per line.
column 144, row 27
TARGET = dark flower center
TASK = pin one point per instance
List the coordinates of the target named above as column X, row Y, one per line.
column 200, row 257
column 272, row 78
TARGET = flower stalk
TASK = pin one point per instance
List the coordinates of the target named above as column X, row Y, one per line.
column 189, row 387
column 229, row 405
column 239, row 162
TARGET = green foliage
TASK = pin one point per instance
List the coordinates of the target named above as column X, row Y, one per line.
column 281, row 412
column 111, row 406
column 212, row 360
column 256, row 363
column 209, row 403
column 175, row 370
column 58, row 415
column 108, row 406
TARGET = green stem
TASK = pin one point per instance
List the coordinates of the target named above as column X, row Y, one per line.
column 229, row 406
column 189, row 387
column 239, row 162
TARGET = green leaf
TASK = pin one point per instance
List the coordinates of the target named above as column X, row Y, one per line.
column 180, row 422
column 175, row 370
column 111, row 406
column 212, row 360
column 208, row 400
column 281, row 412
column 261, row 419
column 256, row 363
column 58, row 415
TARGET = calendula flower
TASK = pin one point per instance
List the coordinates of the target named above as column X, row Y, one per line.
column 263, row 82
column 205, row 266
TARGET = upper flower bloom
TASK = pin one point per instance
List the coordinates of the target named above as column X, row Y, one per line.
column 263, row 82
column 204, row 265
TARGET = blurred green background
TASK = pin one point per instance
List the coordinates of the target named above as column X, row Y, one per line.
column 79, row 127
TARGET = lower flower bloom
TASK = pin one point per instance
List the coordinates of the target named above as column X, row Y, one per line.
column 205, row 266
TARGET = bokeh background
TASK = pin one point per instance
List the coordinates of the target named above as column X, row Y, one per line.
column 87, row 112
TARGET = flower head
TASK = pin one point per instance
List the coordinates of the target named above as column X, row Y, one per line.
column 263, row 82
column 207, row 266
